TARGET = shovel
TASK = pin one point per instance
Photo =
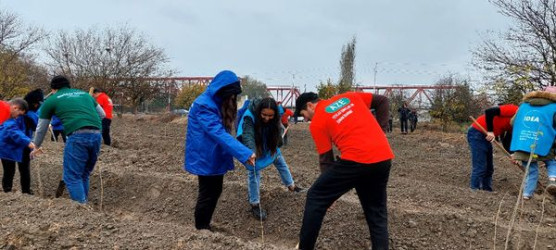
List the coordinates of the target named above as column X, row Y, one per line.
column 61, row 184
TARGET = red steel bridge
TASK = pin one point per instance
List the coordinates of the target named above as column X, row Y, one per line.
column 286, row 94
column 281, row 93
column 416, row 92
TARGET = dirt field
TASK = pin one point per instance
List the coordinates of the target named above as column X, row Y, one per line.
column 148, row 200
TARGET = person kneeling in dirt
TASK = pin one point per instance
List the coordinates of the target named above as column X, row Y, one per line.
column 80, row 115
column 209, row 145
column 534, row 127
column 259, row 129
column 364, row 164
column 497, row 121
column 14, row 142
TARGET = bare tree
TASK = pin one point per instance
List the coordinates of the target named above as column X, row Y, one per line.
column 451, row 105
column 253, row 88
column 527, row 52
column 17, row 69
column 118, row 60
column 347, row 67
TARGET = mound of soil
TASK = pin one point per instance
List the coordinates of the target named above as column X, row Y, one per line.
column 148, row 200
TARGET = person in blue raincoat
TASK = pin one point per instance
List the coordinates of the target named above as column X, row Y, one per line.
column 260, row 129
column 13, row 145
column 209, row 146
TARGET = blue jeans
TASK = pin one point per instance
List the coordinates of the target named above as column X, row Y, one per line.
column 80, row 157
column 481, row 159
column 254, row 179
column 533, row 176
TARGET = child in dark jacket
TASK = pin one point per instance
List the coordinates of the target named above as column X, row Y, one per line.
column 13, row 142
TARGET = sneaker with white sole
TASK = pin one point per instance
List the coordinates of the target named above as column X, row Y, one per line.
column 551, row 188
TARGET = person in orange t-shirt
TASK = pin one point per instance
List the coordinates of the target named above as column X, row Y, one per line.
column 285, row 120
column 496, row 121
column 346, row 121
column 4, row 111
column 106, row 103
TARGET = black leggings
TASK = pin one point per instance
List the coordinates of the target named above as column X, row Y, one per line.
column 24, row 173
column 210, row 188
column 403, row 124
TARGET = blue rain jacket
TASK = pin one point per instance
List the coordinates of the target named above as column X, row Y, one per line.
column 56, row 123
column 12, row 140
column 209, row 148
column 28, row 122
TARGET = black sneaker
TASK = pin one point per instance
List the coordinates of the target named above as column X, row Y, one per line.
column 298, row 189
column 258, row 212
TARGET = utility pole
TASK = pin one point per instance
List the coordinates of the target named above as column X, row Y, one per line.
column 374, row 81
column 293, row 88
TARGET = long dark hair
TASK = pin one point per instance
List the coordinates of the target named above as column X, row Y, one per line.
column 271, row 128
column 229, row 112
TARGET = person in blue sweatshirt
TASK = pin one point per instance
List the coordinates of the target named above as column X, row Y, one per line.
column 260, row 130
column 13, row 144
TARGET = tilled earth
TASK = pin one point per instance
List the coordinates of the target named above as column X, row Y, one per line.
column 146, row 200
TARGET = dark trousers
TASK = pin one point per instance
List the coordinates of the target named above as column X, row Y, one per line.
column 210, row 188
column 403, row 123
column 106, row 131
column 369, row 180
column 390, row 123
column 24, row 173
column 413, row 125
column 285, row 139
column 57, row 133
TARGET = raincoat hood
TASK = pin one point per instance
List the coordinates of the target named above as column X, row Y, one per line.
column 221, row 80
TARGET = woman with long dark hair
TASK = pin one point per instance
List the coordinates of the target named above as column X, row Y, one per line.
column 260, row 130
column 210, row 147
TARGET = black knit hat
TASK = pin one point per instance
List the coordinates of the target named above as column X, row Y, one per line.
column 302, row 100
column 228, row 90
column 59, row 82
column 34, row 97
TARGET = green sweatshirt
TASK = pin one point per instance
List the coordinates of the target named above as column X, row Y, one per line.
column 75, row 108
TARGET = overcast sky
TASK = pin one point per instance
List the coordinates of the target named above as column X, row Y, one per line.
column 291, row 41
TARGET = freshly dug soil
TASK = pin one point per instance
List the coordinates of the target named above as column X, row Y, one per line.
column 148, row 199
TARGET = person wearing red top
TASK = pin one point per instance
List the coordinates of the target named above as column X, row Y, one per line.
column 346, row 121
column 106, row 103
column 4, row 111
column 287, row 113
column 496, row 120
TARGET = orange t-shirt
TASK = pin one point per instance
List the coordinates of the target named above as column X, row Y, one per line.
column 346, row 121
column 500, row 123
column 106, row 103
column 4, row 111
